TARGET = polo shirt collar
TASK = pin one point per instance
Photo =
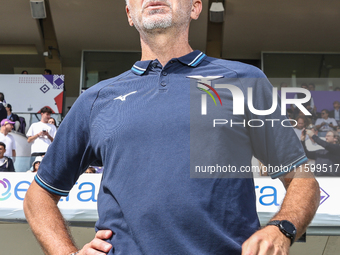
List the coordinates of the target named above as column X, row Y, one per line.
column 140, row 67
column 192, row 59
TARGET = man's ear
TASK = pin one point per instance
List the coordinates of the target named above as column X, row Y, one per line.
column 196, row 9
column 129, row 16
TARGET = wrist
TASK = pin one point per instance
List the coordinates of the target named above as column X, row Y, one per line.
column 286, row 227
column 74, row 253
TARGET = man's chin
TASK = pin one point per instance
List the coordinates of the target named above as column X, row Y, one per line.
column 159, row 22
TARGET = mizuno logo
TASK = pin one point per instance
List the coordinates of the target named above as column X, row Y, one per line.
column 123, row 98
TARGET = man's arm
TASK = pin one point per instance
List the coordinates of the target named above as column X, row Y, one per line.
column 50, row 229
column 49, row 136
column 299, row 207
column 333, row 123
column 30, row 139
column 309, row 154
column 14, row 154
column 46, row 221
column 335, row 148
column 319, row 123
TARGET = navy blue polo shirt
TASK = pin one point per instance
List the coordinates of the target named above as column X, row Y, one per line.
column 145, row 126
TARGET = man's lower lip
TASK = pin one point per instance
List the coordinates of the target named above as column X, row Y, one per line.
column 155, row 7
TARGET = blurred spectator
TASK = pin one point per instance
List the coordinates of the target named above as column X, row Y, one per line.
column 6, row 164
column 311, row 145
column 90, row 170
column 41, row 134
column 13, row 117
column 327, row 160
column 311, row 87
column 337, row 89
column 24, row 72
column 3, row 112
column 325, row 123
column 47, row 71
column 8, row 139
column 302, row 123
column 35, row 164
column 336, row 112
column 52, row 121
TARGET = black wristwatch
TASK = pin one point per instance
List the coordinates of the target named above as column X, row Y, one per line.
column 286, row 227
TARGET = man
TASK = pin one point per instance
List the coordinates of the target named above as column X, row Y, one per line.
column 302, row 123
column 327, row 160
column 147, row 203
column 6, row 164
column 336, row 112
column 13, row 117
column 325, row 123
column 3, row 113
column 41, row 134
column 8, row 139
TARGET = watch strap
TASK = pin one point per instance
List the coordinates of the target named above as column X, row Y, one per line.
column 278, row 223
column 274, row 223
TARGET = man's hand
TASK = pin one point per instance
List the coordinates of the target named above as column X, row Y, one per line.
column 48, row 136
column 310, row 132
column 299, row 206
column 267, row 241
column 98, row 246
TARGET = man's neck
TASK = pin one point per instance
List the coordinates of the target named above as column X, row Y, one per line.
column 165, row 46
column 4, row 131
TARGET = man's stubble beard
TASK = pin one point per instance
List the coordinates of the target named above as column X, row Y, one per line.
column 151, row 23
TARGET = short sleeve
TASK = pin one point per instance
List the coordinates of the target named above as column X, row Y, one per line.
column 70, row 153
column 29, row 132
column 14, row 147
column 334, row 122
column 54, row 131
column 318, row 122
column 274, row 143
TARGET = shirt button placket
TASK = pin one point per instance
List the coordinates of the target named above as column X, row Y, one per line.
column 163, row 81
